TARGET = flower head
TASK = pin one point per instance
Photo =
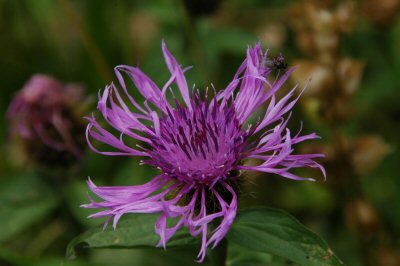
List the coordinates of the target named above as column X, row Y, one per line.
column 199, row 145
column 43, row 121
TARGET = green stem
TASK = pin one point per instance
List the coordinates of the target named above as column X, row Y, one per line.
column 219, row 254
column 191, row 31
column 88, row 43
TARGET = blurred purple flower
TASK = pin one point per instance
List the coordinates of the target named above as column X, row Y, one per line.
column 42, row 116
column 198, row 145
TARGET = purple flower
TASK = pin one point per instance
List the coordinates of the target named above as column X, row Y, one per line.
column 43, row 120
column 199, row 146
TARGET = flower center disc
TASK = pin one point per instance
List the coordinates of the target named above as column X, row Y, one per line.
column 201, row 145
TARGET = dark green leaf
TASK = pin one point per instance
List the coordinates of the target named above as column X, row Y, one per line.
column 278, row 233
column 24, row 201
column 133, row 231
column 159, row 257
column 9, row 257
column 239, row 256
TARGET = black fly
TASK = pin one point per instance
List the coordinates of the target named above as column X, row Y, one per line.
column 277, row 63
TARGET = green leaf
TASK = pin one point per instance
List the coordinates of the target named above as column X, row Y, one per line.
column 159, row 257
column 133, row 231
column 239, row 256
column 24, row 201
column 276, row 232
column 10, row 257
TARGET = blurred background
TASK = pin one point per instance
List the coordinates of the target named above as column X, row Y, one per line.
column 57, row 55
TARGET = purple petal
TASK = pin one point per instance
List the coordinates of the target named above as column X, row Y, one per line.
column 177, row 71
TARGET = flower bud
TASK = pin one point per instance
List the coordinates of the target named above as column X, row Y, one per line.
column 362, row 217
column 44, row 125
column 323, row 77
column 381, row 12
column 346, row 16
column 326, row 38
column 318, row 27
column 349, row 74
column 368, row 152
